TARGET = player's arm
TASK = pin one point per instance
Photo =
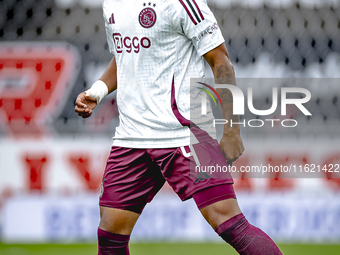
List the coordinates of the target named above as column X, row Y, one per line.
column 231, row 143
column 88, row 100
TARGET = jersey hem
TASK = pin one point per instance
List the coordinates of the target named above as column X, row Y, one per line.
column 210, row 47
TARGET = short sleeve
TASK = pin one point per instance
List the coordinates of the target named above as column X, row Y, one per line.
column 108, row 30
column 195, row 19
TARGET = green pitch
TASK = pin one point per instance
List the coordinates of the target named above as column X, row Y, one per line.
column 158, row 249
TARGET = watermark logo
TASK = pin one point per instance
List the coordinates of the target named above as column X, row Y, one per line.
column 239, row 104
column 204, row 99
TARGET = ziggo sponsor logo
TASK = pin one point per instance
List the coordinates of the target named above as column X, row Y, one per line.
column 130, row 44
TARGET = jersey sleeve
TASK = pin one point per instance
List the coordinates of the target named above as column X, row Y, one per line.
column 196, row 21
column 108, row 29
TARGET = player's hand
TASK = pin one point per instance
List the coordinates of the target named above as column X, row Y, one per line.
column 231, row 146
column 85, row 105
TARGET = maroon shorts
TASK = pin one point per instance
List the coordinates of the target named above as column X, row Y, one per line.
column 133, row 177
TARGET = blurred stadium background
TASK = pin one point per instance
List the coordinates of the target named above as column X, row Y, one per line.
column 51, row 161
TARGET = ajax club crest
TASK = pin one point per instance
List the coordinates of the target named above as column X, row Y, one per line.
column 147, row 17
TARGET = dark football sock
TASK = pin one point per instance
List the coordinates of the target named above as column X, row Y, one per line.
column 245, row 238
column 112, row 244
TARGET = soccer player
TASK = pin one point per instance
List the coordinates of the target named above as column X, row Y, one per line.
column 157, row 47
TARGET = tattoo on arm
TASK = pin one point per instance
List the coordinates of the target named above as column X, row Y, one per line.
column 224, row 74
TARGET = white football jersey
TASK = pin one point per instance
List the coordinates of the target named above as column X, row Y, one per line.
column 158, row 47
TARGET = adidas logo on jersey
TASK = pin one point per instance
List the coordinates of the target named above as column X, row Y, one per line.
column 192, row 10
column 112, row 19
column 202, row 177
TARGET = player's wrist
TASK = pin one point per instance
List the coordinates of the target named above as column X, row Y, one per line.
column 97, row 91
column 230, row 132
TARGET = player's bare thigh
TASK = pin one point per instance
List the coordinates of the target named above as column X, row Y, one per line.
column 221, row 211
column 117, row 221
column 123, row 221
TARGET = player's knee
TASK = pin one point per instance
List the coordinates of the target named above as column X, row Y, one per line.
column 221, row 211
column 117, row 221
column 217, row 203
